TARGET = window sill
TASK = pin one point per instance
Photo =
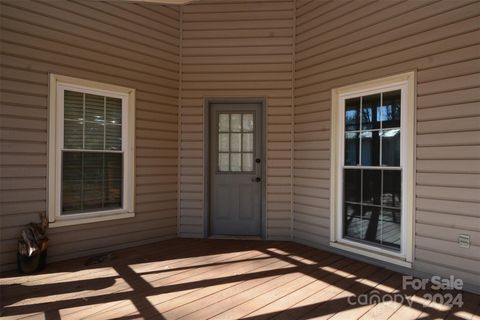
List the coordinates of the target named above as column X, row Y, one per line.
column 381, row 256
column 63, row 222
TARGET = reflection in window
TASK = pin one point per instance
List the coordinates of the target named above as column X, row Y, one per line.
column 372, row 175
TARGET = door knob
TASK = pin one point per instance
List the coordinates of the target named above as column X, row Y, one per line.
column 257, row 179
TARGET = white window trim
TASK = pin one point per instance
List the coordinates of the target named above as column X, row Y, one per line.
column 406, row 82
column 58, row 83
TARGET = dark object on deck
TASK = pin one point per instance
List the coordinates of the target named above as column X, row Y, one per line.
column 99, row 259
column 32, row 247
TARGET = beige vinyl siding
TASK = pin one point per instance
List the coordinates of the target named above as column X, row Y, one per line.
column 344, row 42
column 132, row 45
column 237, row 49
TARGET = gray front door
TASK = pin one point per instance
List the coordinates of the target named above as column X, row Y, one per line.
column 236, row 169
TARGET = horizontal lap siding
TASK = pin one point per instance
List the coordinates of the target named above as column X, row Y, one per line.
column 237, row 49
column 133, row 45
column 344, row 42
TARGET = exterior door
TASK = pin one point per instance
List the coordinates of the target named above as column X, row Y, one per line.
column 236, row 169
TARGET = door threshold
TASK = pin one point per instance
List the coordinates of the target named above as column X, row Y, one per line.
column 227, row 237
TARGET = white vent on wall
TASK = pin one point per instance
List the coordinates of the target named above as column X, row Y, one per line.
column 464, row 241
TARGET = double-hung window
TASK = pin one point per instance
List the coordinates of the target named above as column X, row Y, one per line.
column 372, row 179
column 91, row 151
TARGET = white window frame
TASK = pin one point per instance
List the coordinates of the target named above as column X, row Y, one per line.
column 406, row 83
column 57, row 85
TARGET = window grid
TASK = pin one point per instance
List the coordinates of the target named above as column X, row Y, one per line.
column 103, row 151
column 230, row 133
column 359, row 166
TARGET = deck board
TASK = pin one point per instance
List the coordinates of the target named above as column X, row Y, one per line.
column 216, row 279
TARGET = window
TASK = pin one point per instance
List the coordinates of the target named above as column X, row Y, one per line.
column 90, row 151
column 372, row 178
column 235, row 142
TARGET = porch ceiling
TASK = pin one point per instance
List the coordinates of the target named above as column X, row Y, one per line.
column 228, row 279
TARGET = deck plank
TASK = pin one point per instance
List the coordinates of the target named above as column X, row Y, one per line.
column 217, row 279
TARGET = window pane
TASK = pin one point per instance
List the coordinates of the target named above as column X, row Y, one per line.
column 224, row 122
column 72, row 164
column 94, row 108
column 391, row 222
column 235, row 162
column 370, row 148
column 73, row 134
column 113, row 166
column 372, row 184
column 247, row 142
column 352, row 221
column 236, row 122
column 223, row 142
column 92, row 194
column 248, row 122
column 112, row 180
column 94, row 136
column 114, row 110
column 92, row 165
column 223, row 162
column 71, row 196
column 371, row 225
column 392, row 188
column 73, row 105
column 352, row 185
column 352, row 114
column 235, row 142
column 391, row 147
column 247, row 162
column 113, row 137
column 352, row 142
column 370, row 107
column 390, row 113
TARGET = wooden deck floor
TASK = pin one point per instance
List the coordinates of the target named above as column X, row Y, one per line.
column 219, row 279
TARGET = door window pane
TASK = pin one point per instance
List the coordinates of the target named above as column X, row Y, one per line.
column 370, row 148
column 224, row 122
column 235, row 142
column 223, row 162
column 223, row 142
column 247, row 162
column 391, row 147
column 236, row 122
column 247, row 145
column 247, row 122
column 235, row 162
